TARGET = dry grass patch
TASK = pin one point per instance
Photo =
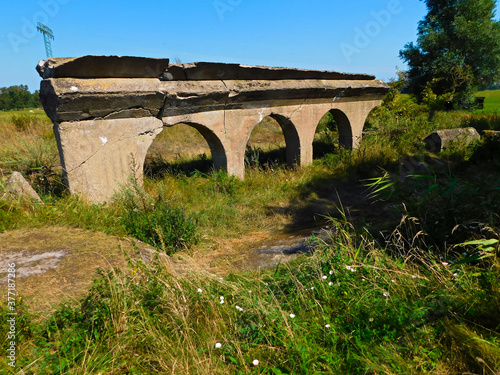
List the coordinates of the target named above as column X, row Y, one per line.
column 56, row 264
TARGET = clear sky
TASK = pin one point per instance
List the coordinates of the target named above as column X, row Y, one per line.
column 361, row 36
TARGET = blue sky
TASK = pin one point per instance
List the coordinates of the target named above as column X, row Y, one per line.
column 362, row 36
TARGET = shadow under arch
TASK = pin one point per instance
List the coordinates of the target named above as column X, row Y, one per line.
column 219, row 157
column 332, row 133
column 158, row 165
column 292, row 140
column 343, row 126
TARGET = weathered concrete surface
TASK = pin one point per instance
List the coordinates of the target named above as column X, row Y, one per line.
column 101, row 155
column 102, row 67
column 210, row 71
column 18, row 188
column 442, row 139
column 224, row 102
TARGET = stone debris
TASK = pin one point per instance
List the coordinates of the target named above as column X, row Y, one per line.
column 17, row 187
column 442, row 139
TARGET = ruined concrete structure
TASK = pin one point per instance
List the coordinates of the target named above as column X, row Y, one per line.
column 107, row 110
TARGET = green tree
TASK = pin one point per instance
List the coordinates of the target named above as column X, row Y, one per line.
column 18, row 97
column 457, row 50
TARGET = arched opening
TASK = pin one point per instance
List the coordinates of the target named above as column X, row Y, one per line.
column 375, row 121
column 184, row 148
column 273, row 142
column 332, row 134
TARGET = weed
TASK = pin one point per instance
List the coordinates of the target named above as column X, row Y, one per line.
column 156, row 222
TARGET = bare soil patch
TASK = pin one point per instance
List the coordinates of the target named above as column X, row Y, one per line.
column 56, row 264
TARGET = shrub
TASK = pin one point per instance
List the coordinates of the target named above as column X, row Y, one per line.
column 157, row 222
column 223, row 183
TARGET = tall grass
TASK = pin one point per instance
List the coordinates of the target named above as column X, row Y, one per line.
column 348, row 308
column 29, row 147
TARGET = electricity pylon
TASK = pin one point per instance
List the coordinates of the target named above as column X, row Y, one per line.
column 47, row 36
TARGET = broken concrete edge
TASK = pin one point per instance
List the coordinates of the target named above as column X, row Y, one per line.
column 100, row 66
column 441, row 139
column 206, row 71
column 95, row 66
column 74, row 99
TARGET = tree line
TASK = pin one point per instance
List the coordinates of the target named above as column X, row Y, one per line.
column 18, row 97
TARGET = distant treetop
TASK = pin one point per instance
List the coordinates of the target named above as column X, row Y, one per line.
column 18, row 97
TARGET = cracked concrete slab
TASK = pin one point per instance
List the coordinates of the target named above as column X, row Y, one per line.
column 105, row 123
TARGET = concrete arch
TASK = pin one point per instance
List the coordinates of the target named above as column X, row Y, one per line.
column 344, row 128
column 219, row 157
column 292, row 139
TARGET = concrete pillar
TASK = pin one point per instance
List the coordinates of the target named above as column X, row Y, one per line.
column 98, row 156
column 356, row 111
column 306, row 119
column 239, row 124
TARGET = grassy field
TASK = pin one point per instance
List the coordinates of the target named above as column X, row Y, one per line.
column 405, row 282
column 492, row 101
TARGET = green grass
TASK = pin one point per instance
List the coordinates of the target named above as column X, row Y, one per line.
column 492, row 101
column 404, row 294
column 7, row 115
column 349, row 308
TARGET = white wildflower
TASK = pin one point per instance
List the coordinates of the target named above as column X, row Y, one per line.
column 327, row 325
column 325, row 277
column 200, row 290
column 218, row 345
column 255, row 362
column 292, row 316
